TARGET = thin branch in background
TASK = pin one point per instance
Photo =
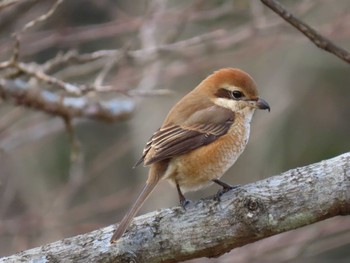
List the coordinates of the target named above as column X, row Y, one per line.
column 32, row 23
column 40, row 75
column 42, row 17
column 42, row 40
column 76, row 175
column 319, row 40
column 59, row 60
column 74, row 142
column 30, row 69
column 16, row 48
column 7, row 3
column 216, row 39
column 108, row 66
column 182, row 19
column 62, row 198
column 99, row 80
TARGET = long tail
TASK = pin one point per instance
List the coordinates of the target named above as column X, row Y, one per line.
column 146, row 191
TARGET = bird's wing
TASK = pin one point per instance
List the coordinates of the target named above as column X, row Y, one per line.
column 199, row 129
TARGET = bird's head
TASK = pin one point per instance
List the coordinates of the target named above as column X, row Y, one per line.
column 233, row 89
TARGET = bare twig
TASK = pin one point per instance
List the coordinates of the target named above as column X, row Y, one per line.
column 76, row 174
column 7, row 3
column 42, row 76
column 30, row 69
column 74, row 142
column 104, row 72
column 135, row 54
column 42, row 17
column 16, row 48
column 32, row 23
column 319, row 40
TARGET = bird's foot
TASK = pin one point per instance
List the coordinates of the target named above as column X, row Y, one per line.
column 224, row 190
column 185, row 203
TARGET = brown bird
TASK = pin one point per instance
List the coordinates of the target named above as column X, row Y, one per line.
column 202, row 136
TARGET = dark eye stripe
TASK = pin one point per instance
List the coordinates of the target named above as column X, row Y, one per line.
column 223, row 93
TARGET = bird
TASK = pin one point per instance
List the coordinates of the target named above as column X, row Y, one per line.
column 201, row 137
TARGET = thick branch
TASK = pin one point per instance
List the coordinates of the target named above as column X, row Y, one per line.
column 210, row 228
column 319, row 40
column 68, row 107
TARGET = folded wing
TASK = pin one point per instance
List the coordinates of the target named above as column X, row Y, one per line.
column 174, row 139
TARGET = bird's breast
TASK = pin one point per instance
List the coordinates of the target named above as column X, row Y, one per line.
column 196, row 169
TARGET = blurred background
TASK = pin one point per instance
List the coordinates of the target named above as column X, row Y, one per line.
column 163, row 49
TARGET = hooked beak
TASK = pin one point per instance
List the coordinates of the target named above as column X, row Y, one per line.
column 261, row 104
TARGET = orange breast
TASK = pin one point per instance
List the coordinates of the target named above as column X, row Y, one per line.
column 197, row 168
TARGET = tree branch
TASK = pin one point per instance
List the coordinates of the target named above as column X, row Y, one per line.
column 7, row 3
column 319, row 40
column 210, row 228
column 41, row 18
column 67, row 107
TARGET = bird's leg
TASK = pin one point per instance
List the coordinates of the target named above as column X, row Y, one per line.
column 183, row 201
column 225, row 188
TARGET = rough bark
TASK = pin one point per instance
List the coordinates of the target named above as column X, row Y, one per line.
column 212, row 227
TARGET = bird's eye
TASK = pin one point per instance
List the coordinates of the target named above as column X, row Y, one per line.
column 237, row 94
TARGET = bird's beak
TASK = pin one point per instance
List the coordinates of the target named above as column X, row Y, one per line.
column 261, row 104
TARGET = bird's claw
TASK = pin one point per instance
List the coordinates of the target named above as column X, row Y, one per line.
column 185, row 203
column 225, row 190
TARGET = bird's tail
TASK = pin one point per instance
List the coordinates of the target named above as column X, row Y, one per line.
column 146, row 191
